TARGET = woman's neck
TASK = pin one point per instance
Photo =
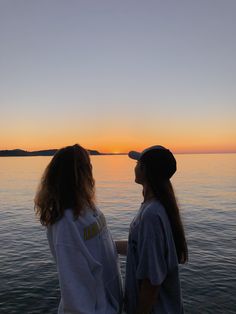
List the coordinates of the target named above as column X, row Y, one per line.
column 147, row 193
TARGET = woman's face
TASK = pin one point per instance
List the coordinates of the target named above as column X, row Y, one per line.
column 139, row 173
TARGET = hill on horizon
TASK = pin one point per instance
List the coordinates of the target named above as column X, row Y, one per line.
column 47, row 152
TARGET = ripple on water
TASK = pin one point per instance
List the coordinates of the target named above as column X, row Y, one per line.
column 28, row 278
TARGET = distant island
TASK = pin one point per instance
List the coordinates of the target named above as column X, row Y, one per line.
column 23, row 153
column 51, row 152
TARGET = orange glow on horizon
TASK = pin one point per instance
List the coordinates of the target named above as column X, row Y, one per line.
column 122, row 140
column 119, row 149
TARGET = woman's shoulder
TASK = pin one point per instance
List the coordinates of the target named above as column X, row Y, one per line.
column 152, row 207
column 86, row 212
column 68, row 220
column 154, row 210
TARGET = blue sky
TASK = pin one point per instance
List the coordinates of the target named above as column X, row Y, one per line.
column 112, row 74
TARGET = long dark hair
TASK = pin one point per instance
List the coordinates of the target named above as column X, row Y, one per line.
column 163, row 191
column 67, row 182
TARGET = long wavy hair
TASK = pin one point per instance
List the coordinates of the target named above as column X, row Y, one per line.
column 67, row 182
column 164, row 192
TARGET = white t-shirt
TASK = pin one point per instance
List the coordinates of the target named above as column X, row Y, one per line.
column 87, row 264
column 152, row 255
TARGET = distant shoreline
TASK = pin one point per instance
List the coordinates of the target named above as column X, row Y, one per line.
column 51, row 152
column 24, row 153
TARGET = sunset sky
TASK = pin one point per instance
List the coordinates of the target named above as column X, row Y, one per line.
column 118, row 75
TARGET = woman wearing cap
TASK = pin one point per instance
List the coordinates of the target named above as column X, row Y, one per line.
column 156, row 242
column 78, row 236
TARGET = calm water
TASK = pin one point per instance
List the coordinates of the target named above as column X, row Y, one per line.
column 205, row 187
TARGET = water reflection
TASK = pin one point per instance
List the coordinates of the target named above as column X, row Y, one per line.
column 205, row 186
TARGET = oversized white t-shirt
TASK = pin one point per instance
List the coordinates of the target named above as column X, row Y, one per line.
column 87, row 264
column 152, row 255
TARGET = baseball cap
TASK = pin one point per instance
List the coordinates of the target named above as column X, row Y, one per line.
column 159, row 158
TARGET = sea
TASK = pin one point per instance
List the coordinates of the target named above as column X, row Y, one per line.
column 205, row 186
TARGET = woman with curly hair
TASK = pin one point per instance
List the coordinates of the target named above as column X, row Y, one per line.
column 80, row 242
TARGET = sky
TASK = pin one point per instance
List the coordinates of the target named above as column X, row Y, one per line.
column 118, row 75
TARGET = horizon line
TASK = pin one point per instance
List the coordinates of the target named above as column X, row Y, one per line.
column 184, row 152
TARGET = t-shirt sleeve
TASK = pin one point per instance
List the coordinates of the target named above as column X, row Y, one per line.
column 151, row 250
column 77, row 283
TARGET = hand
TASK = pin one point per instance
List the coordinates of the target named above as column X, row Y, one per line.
column 121, row 247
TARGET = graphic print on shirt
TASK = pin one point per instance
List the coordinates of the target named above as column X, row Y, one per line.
column 95, row 228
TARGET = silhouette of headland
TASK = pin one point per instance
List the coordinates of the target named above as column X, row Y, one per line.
column 23, row 153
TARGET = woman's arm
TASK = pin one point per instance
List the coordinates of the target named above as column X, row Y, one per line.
column 147, row 297
column 121, row 247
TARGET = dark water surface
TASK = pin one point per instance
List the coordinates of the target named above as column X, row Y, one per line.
column 206, row 189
